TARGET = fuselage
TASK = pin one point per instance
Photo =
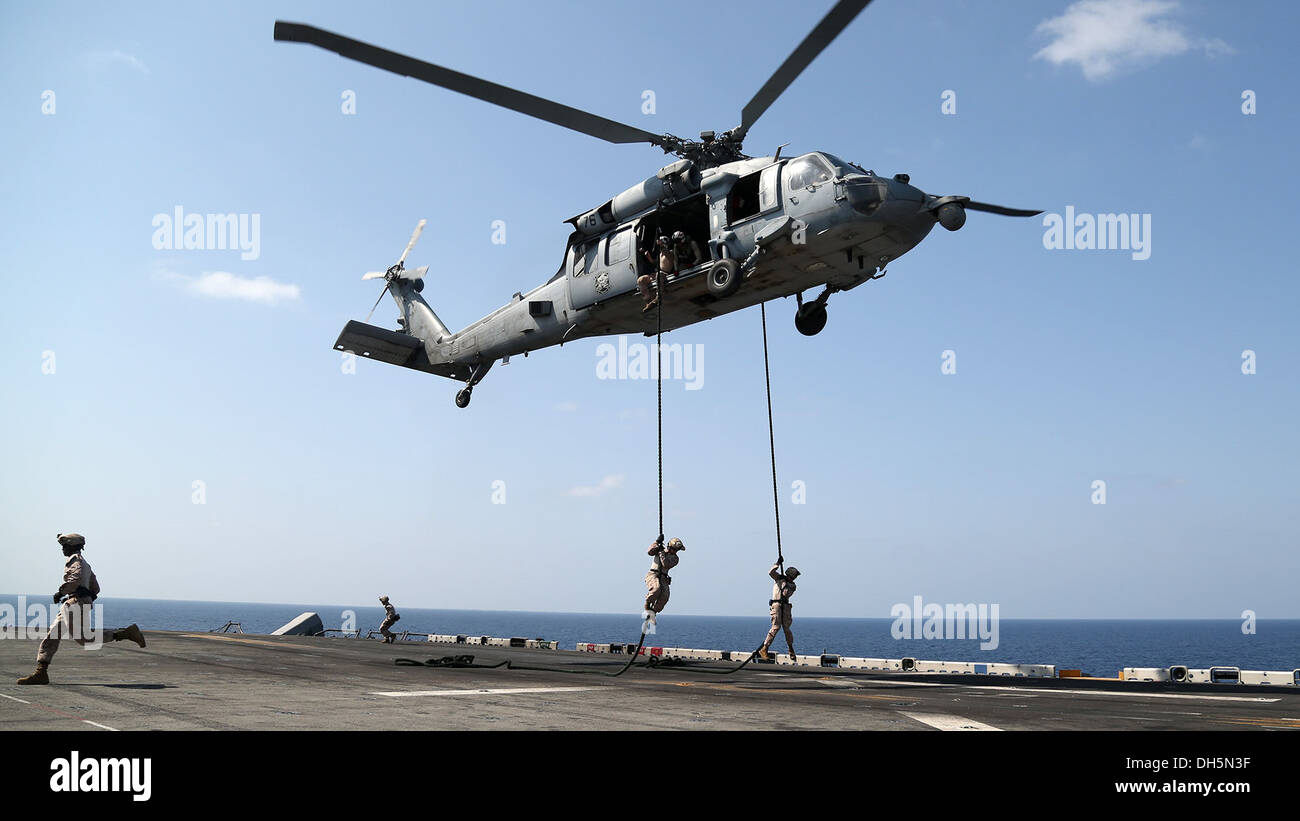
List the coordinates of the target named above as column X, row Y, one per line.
column 819, row 222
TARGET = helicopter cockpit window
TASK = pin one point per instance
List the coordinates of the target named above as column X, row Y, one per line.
column 806, row 171
column 844, row 167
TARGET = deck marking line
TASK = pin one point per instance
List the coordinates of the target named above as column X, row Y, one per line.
column 497, row 691
column 1049, row 691
column 100, row 726
column 943, row 721
column 222, row 637
column 59, row 713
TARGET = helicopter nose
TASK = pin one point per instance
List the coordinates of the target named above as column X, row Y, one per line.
column 892, row 201
column 901, row 190
column 868, row 194
column 895, row 205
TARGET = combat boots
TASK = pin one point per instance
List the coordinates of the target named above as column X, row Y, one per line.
column 762, row 653
column 39, row 677
column 131, row 633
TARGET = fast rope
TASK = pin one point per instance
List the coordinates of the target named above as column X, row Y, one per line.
column 771, row 437
column 659, row 416
column 467, row 661
column 680, row 664
column 659, row 389
column 776, row 503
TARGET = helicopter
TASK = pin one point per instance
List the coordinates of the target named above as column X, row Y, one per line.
column 766, row 227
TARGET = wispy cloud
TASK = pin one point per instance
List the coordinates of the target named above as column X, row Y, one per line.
column 566, row 407
column 611, row 482
column 1105, row 37
column 224, row 285
column 103, row 59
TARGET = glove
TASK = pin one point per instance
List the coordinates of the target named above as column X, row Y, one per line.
column 660, row 541
column 58, row 597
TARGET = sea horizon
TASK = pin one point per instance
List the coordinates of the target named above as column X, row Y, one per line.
column 1097, row 646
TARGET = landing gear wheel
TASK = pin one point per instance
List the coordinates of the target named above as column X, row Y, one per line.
column 724, row 278
column 810, row 319
column 462, row 397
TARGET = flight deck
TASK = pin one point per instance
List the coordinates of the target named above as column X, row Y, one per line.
column 216, row 681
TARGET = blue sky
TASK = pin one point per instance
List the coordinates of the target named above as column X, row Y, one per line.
column 177, row 366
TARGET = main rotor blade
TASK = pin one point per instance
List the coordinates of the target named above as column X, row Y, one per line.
column 419, row 228
column 835, row 21
column 510, row 98
column 1000, row 209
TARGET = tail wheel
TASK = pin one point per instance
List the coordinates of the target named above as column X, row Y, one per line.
column 810, row 319
column 724, row 278
column 462, row 397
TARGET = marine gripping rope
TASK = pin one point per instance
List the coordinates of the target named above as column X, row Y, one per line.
column 659, row 418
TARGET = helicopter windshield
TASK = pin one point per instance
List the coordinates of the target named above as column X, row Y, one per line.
column 808, row 170
column 842, row 166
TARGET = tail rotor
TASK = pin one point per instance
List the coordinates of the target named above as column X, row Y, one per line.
column 399, row 271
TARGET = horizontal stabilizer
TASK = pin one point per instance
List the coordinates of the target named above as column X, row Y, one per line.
column 395, row 348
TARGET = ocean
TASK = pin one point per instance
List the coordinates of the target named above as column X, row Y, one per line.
column 1098, row 647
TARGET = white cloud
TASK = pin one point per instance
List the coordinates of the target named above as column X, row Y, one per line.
column 610, row 482
column 1106, row 36
column 223, row 285
column 101, row 59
